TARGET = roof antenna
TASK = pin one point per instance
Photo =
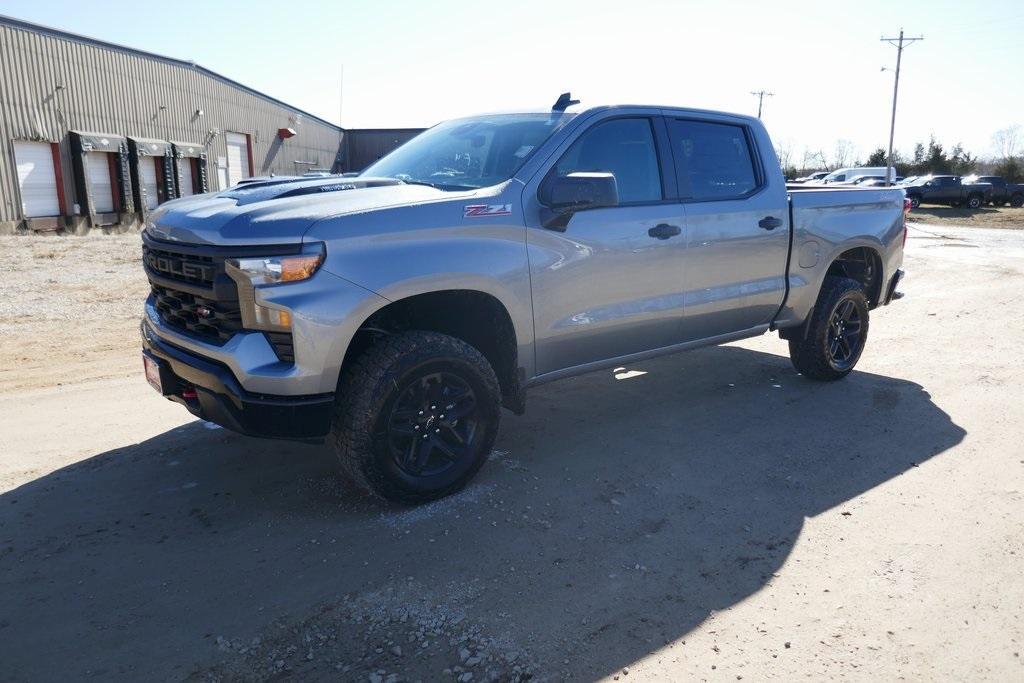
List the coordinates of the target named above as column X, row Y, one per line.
column 564, row 102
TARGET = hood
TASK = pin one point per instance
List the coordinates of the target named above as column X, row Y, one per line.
column 276, row 210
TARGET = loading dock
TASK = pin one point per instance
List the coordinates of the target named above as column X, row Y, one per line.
column 190, row 169
column 152, row 183
column 39, row 182
column 102, row 177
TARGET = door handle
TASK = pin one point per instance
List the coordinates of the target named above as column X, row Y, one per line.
column 663, row 231
column 770, row 222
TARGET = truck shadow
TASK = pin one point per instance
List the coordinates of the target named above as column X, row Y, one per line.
column 620, row 512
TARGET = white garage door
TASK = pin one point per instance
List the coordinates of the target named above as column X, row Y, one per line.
column 147, row 174
column 97, row 171
column 238, row 158
column 187, row 188
column 37, row 179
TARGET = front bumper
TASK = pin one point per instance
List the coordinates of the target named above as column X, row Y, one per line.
column 211, row 392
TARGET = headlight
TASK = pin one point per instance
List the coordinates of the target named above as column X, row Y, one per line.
column 273, row 270
column 250, row 273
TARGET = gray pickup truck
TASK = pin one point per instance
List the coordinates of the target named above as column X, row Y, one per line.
column 395, row 313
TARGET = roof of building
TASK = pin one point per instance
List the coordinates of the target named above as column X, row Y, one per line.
column 184, row 63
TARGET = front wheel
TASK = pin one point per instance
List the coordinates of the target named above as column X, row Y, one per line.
column 974, row 202
column 1017, row 201
column 830, row 343
column 915, row 202
column 416, row 417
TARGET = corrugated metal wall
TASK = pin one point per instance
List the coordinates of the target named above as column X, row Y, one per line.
column 122, row 92
column 363, row 146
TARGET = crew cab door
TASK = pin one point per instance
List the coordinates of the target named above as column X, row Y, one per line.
column 611, row 283
column 737, row 224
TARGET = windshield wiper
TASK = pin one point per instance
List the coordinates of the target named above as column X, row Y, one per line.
column 437, row 186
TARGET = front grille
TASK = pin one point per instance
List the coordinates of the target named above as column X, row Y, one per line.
column 212, row 321
column 193, row 294
column 193, row 269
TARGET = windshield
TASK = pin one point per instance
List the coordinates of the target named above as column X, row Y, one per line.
column 465, row 154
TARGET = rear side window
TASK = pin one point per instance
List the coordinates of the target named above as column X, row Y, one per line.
column 713, row 160
column 624, row 147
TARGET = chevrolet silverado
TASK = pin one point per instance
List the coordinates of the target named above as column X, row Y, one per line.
column 394, row 313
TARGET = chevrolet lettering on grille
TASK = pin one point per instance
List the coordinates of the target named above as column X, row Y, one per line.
column 180, row 267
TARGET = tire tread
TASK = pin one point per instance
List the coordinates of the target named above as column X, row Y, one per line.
column 361, row 395
column 807, row 345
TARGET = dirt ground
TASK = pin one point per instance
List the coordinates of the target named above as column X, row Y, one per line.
column 1005, row 217
column 707, row 516
column 69, row 309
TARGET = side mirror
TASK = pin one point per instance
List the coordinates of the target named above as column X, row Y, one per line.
column 565, row 195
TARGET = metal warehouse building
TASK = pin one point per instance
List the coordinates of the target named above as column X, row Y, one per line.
column 95, row 135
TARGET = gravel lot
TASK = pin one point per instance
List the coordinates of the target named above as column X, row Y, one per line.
column 1005, row 217
column 69, row 299
column 716, row 517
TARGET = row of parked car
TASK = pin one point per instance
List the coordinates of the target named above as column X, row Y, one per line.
column 973, row 191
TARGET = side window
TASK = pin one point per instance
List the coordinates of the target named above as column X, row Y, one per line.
column 624, row 147
column 713, row 160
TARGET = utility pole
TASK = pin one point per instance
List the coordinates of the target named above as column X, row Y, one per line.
column 760, row 94
column 899, row 44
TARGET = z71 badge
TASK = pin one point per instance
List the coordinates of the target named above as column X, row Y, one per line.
column 484, row 210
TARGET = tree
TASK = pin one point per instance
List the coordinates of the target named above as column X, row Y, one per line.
column 918, row 155
column 878, row 158
column 935, row 160
column 1011, row 168
column 785, row 155
column 844, row 151
column 960, row 161
column 1005, row 141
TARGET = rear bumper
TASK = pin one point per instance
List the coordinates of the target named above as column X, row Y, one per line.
column 211, row 392
column 891, row 292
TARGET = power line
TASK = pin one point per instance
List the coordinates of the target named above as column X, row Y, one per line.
column 760, row 94
column 899, row 44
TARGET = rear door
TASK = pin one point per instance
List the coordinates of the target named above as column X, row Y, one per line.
column 737, row 225
column 37, row 179
column 610, row 284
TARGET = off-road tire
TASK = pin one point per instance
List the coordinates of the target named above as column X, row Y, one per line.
column 808, row 345
column 1017, row 201
column 367, row 393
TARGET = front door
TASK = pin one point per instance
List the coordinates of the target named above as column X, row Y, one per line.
column 610, row 284
column 737, row 227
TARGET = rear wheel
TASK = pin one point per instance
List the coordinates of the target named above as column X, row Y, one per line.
column 417, row 415
column 830, row 343
column 1017, row 201
column 974, row 202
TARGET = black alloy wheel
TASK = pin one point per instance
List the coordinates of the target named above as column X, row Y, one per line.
column 830, row 342
column 843, row 340
column 433, row 424
column 416, row 416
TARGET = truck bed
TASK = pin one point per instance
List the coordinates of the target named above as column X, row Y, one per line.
column 829, row 220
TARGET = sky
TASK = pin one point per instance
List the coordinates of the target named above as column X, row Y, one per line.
column 375, row 64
